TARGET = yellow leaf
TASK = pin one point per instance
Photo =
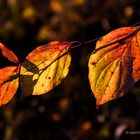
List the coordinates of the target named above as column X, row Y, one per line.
column 44, row 68
column 114, row 68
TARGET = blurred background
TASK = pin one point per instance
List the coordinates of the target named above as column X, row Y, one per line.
column 68, row 112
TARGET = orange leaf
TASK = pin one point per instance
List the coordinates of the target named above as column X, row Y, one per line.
column 8, row 54
column 44, row 68
column 8, row 83
column 114, row 66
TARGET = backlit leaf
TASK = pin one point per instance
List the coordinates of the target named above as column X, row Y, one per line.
column 8, row 54
column 8, row 83
column 44, row 68
column 114, row 66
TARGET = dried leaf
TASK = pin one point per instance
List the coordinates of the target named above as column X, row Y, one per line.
column 8, row 83
column 114, row 67
column 44, row 68
column 8, row 54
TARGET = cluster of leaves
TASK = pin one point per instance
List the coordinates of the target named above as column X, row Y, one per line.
column 114, row 67
column 41, row 71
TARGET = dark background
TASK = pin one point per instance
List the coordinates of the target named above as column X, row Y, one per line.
column 68, row 112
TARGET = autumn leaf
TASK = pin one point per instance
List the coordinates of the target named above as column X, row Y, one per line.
column 114, row 66
column 8, row 83
column 8, row 54
column 44, row 68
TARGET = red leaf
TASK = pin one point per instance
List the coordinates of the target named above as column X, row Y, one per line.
column 114, row 66
column 8, row 54
column 8, row 83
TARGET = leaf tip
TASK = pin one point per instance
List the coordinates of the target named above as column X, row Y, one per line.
column 8, row 54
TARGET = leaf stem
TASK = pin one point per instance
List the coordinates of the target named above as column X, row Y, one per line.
column 135, row 24
column 76, row 44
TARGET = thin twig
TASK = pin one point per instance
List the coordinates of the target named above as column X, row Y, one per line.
column 80, row 43
column 120, row 40
column 137, row 23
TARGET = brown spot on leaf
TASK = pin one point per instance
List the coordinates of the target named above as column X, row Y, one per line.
column 133, row 58
column 93, row 63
